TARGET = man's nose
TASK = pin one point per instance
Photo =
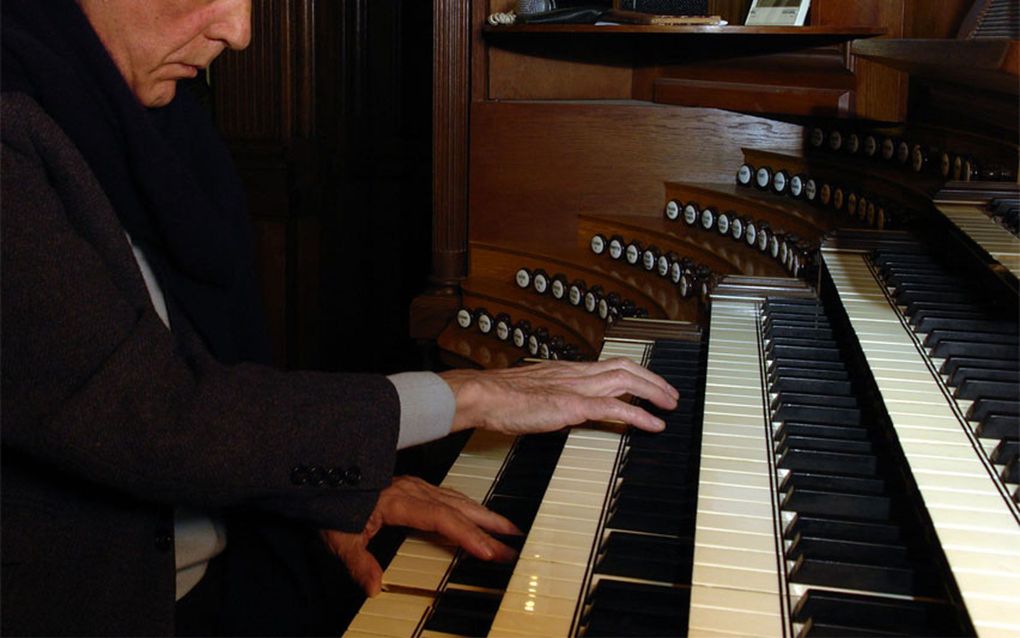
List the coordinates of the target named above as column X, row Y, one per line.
column 233, row 24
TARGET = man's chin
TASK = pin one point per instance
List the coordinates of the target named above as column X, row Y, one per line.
column 159, row 96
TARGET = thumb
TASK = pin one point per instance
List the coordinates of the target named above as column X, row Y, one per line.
column 364, row 570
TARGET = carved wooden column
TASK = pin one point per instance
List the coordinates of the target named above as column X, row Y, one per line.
column 451, row 105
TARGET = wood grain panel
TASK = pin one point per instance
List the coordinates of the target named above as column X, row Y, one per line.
column 754, row 98
column 881, row 92
column 518, row 76
column 536, row 166
column 820, row 68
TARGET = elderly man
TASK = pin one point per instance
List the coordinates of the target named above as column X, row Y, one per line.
column 137, row 406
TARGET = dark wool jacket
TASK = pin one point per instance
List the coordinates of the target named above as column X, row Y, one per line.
column 108, row 421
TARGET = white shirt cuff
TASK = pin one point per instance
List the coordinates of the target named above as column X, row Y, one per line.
column 427, row 406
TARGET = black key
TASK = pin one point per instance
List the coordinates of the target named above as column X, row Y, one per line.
column 936, row 337
column 668, row 495
column 481, row 573
column 802, row 331
column 666, row 560
column 636, row 609
column 643, row 465
column 793, row 307
column 818, row 414
column 983, row 389
column 877, row 578
column 802, row 398
column 942, row 307
column 823, row 444
column 677, row 441
column 806, row 366
column 896, row 276
column 982, row 408
column 994, row 350
column 910, row 297
column 1005, row 450
column 998, row 426
column 653, row 509
column 814, row 629
column 923, row 280
column 522, row 482
column 929, row 322
column 831, row 373
column 812, row 461
column 821, row 430
column 465, row 613
column 805, row 323
column 859, row 507
column 1011, row 473
column 822, row 482
column 520, row 510
column 810, row 385
column 810, row 353
column 962, row 375
column 934, row 318
column 908, row 617
column 801, row 341
column 855, row 552
column 844, row 529
column 951, row 365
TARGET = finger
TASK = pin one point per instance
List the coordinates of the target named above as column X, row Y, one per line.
column 646, row 375
column 360, row 564
column 612, row 409
column 475, row 541
column 471, row 509
column 618, row 381
column 365, row 571
column 436, row 516
column 478, row 514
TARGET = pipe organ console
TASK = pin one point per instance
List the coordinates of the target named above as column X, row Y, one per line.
column 835, row 297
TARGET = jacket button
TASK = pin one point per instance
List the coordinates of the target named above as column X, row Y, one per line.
column 164, row 541
column 353, row 476
column 335, row 476
column 317, row 476
column 299, row 475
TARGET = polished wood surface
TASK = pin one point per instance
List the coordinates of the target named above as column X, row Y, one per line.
column 536, row 166
column 986, row 64
column 578, row 129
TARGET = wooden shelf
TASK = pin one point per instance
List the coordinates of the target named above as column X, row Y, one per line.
column 991, row 63
column 832, row 34
column 642, row 45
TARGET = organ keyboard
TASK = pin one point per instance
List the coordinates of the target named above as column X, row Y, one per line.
column 969, row 210
column 802, row 524
column 973, row 505
column 851, row 465
column 552, row 566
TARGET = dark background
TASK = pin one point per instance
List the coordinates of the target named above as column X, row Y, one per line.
column 328, row 115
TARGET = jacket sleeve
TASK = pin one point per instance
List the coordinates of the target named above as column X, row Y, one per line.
column 94, row 387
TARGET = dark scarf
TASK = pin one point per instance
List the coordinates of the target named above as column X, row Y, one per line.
column 170, row 179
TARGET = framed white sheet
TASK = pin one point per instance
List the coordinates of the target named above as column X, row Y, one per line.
column 786, row 13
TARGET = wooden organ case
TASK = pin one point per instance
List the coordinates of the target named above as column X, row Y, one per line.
column 812, row 233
